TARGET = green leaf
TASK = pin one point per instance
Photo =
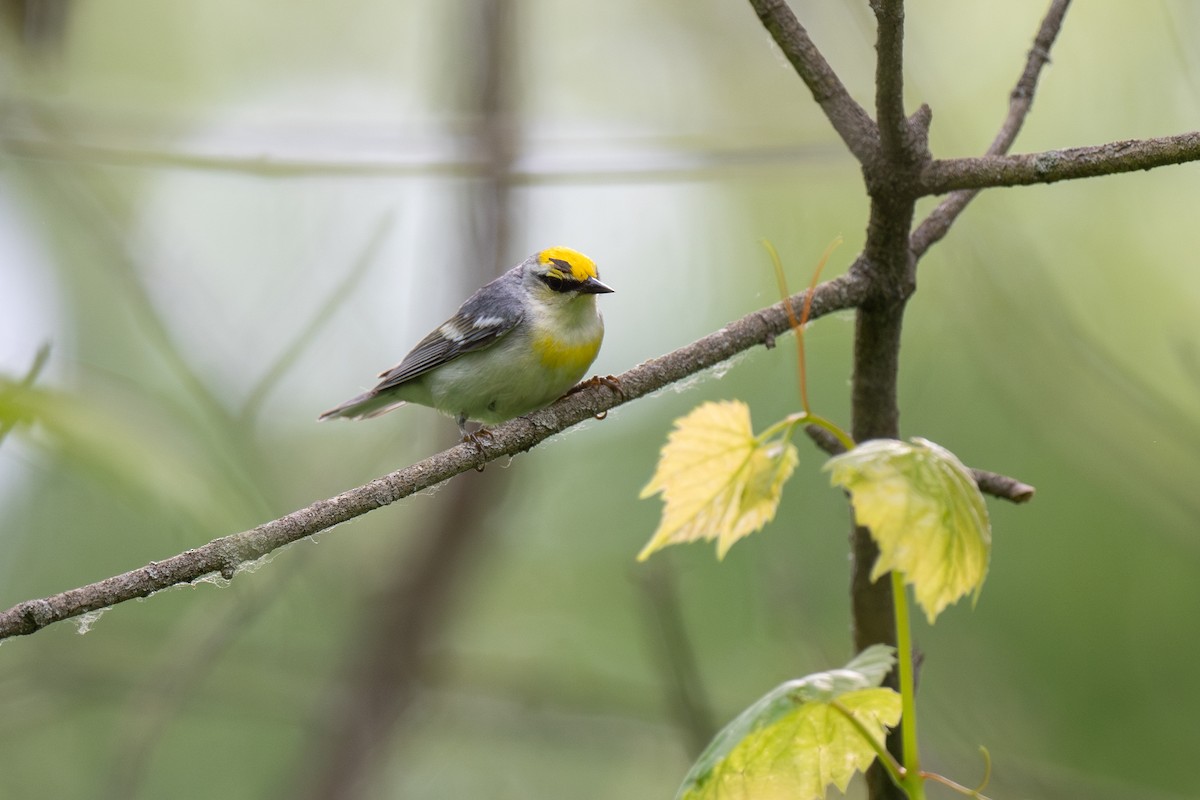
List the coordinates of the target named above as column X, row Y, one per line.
column 925, row 513
column 793, row 743
column 718, row 481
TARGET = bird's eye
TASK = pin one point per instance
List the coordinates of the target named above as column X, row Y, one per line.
column 555, row 282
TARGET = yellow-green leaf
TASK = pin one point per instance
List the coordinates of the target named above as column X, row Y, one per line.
column 717, row 480
column 793, row 743
column 924, row 511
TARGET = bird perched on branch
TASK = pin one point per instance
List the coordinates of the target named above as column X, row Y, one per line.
column 516, row 345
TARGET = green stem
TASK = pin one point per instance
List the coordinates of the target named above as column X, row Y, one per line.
column 842, row 436
column 958, row 787
column 913, row 782
column 881, row 752
column 804, row 417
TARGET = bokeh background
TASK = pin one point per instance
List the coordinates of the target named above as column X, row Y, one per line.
column 225, row 217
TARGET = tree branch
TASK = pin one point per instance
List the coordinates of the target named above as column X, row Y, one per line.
column 1021, row 99
column 889, row 79
column 225, row 555
column 938, row 223
column 848, row 118
column 1059, row 165
column 1002, row 486
column 875, row 410
column 992, row 483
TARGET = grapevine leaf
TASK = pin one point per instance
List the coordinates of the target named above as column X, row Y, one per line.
column 717, row 480
column 792, row 743
column 925, row 513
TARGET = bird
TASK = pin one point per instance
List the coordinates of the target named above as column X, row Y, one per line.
column 516, row 345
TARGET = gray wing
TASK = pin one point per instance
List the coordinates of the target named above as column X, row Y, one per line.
column 471, row 328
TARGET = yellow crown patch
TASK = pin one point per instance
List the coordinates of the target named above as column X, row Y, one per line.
column 570, row 262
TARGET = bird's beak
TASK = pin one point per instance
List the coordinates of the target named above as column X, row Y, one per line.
column 593, row 286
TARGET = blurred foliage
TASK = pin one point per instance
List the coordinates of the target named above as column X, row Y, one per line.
column 227, row 216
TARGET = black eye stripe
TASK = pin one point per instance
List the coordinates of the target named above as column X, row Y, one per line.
column 558, row 284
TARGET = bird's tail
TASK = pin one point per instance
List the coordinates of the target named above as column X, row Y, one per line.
column 369, row 404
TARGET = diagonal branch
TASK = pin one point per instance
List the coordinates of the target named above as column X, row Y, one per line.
column 938, row 223
column 1021, row 99
column 224, row 556
column 848, row 118
column 1060, row 165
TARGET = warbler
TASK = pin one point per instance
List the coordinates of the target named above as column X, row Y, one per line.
column 516, row 345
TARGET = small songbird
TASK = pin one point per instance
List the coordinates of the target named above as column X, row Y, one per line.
column 516, row 345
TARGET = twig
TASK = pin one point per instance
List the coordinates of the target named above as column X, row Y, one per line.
column 992, row 483
column 1002, row 486
column 938, row 223
column 889, row 79
column 1021, row 99
column 225, row 555
column 642, row 160
column 270, row 165
column 848, row 118
column 1059, row 165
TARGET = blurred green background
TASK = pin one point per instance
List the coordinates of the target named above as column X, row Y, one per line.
column 227, row 217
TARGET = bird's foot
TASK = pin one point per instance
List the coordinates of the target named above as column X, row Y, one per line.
column 477, row 438
column 612, row 382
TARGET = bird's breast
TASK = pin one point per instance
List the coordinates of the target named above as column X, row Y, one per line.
column 564, row 355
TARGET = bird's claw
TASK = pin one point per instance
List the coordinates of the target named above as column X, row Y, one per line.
column 613, row 383
column 476, row 438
